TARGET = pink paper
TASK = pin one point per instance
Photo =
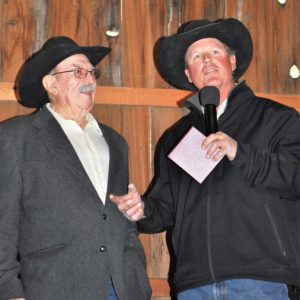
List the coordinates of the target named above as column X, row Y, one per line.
column 189, row 155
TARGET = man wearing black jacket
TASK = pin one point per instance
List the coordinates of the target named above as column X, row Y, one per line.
column 236, row 236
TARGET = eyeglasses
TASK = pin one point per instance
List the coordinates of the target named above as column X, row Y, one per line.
column 81, row 73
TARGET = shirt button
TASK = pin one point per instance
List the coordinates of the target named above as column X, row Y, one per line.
column 102, row 249
column 104, row 216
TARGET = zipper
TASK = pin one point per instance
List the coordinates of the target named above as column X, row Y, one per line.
column 210, row 264
column 277, row 236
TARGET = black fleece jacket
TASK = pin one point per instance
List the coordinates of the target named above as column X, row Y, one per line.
column 243, row 221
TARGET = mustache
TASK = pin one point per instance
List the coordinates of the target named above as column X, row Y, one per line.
column 87, row 88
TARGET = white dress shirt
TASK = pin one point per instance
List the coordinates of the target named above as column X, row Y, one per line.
column 91, row 148
column 221, row 108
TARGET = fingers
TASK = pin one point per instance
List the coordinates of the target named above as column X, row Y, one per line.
column 218, row 145
column 119, row 200
column 214, row 147
column 130, row 204
column 135, row 212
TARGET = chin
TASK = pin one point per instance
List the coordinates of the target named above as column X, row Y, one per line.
column 87, row 102
column 212, row 82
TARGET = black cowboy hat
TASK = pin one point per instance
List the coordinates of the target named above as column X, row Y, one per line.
column 55, row 50
column 171, row 50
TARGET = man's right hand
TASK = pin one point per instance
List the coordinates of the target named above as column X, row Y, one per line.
column 131, row 204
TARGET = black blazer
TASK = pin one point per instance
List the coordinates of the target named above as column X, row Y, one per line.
column 68, row 242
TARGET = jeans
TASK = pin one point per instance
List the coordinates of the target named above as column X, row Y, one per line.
column 112, row 294
column 237, row 289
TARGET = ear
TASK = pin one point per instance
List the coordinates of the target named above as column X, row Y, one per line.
column 187, row 73
column 50, row 84
column 233, row 62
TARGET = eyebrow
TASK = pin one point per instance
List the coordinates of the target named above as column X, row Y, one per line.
column 75, row 65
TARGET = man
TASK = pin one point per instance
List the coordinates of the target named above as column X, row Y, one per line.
column 237, row 235
column 60, row 237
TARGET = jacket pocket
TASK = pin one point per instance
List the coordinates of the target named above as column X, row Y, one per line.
column 46, row 250
column 278, row 237
column 45, row 243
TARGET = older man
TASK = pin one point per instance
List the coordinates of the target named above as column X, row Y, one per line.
column 60, row 237
column 237, row 235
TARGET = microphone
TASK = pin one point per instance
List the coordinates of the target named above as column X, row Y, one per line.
column 209, row 98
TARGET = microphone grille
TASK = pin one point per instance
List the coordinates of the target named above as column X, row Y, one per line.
column 209, row 95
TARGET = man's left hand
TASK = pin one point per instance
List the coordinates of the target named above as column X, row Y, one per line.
column 218, row 145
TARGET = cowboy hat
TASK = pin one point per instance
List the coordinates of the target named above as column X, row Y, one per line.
column 55, row 50
column 172, row 49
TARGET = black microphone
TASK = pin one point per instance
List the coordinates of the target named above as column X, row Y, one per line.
column 209, row 98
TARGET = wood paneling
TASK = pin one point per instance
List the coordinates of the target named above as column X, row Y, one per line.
column 139, row 24
column 16, row 36
column 274, row 30
column 87, row 21
column 147, row 97
column 138, row 40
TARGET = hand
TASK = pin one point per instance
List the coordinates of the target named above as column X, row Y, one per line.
column 131, row 204
column 218, row 145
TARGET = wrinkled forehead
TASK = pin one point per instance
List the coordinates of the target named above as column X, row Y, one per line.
column 203, row 45
column 79, row 60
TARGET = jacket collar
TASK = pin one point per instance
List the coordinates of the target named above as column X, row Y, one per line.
column 54, row 138
column 193, row 101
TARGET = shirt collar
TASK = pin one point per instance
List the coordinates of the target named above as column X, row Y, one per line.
column 91, row 121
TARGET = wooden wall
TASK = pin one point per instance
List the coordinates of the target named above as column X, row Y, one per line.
column 26, row 24
column 133, row 98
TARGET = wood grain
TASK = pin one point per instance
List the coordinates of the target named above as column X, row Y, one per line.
column 148, row 97
column 16, row 36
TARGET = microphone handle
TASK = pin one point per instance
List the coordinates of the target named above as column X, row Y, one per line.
column 211, row 119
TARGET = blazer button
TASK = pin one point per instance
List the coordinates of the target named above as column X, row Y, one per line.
column 104, row 216
column 102, row 249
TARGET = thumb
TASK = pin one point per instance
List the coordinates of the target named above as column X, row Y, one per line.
column 131, row 188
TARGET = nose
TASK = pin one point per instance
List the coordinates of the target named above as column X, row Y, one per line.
column 90, row 78
column 206, row 57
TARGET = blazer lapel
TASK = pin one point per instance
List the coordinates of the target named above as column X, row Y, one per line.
column 55, row 139
column 114, row 160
